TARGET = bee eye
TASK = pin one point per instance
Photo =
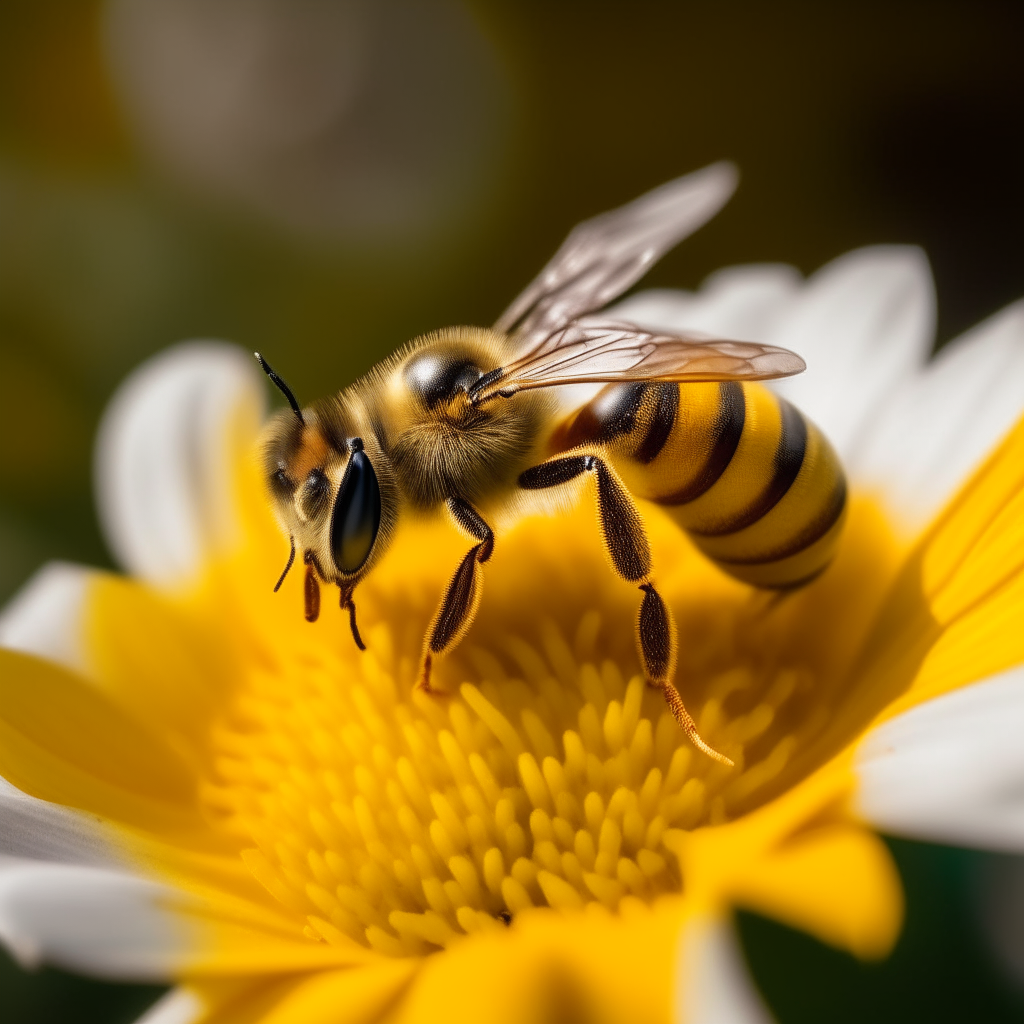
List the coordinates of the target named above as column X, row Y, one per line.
column 356, row 517
column 436, row 379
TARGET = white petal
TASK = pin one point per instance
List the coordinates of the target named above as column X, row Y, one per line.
column 864, row 323
column 951, row 770
column 744, row 303
column 179, row 1006
column 940, row 424
column 90, row 920
column 163, row 479
column 45, row 616
column 715, row 986
column 41, row 830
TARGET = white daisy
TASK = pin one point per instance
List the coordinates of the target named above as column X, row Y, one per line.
column 203, row 789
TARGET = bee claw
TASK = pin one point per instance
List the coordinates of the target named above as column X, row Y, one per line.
column 687, row 724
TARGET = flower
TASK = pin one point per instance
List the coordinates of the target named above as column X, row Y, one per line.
column 204, row 788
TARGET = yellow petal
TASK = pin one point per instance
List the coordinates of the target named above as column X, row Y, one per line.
column 135, row 633
column 799, row 859
column 326, row 997
column 578, row 966
column 959, row 604
column 225, row 949
column 837, row 882
column 64, row 742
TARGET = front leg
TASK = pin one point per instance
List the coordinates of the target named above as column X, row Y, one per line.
column 626, row 542
column 458, row 608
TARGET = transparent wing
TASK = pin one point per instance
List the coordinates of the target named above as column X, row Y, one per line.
column 605, row 255
column 593, row 350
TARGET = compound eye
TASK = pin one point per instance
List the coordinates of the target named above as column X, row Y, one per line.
column 436, row 379
column 356, row 516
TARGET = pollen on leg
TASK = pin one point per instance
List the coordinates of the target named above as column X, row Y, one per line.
column 553, row 776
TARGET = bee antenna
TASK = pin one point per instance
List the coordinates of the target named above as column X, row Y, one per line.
column 280, row 384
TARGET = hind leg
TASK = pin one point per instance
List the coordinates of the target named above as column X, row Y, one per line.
column 626, row 542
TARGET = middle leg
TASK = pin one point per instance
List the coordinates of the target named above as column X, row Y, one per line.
column 630, row 553
column 458, row 607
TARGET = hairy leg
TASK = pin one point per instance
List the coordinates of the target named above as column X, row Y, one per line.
column 626, row 541
column 455, row 614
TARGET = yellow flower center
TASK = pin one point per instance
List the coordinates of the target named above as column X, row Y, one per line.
column 550, row 774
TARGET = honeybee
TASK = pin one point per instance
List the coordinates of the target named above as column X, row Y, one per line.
column 463, row 419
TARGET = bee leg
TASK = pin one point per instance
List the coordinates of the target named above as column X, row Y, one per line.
column 656, row 633
column 626, row 542
column 347, row 604
column 458, row 607
column 311, row 590
column 473, row 523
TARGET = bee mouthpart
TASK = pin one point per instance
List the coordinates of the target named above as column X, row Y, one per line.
column 347, row 602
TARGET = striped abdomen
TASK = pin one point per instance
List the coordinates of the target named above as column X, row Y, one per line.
column 754, row 483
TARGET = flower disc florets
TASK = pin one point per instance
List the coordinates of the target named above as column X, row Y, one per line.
column 550, row 774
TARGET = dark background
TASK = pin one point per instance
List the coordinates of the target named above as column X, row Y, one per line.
column 852, row 124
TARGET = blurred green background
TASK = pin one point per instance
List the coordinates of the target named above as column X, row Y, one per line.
column 324, row 180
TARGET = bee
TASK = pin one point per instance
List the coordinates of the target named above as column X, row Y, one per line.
column 463, row 420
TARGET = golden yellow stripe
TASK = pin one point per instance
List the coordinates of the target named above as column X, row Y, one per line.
column 794, row 569
column 804, row 503
column 683, row 455
column 748, row 474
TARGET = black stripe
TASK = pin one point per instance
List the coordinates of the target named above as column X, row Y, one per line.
column 608, row 416
column 661, row 424
column 813, row 531
column 616, row 410
column 619, row 411
column 732, row 414
column 789, row 457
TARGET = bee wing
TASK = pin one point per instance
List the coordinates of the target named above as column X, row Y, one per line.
column 603, row 256
column 594, row 350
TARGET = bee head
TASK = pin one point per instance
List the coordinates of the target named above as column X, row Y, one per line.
column 332, row 492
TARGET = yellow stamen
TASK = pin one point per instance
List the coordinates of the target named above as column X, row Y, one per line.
column 544, row 771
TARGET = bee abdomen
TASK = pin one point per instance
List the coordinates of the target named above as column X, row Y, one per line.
column 754, row 483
